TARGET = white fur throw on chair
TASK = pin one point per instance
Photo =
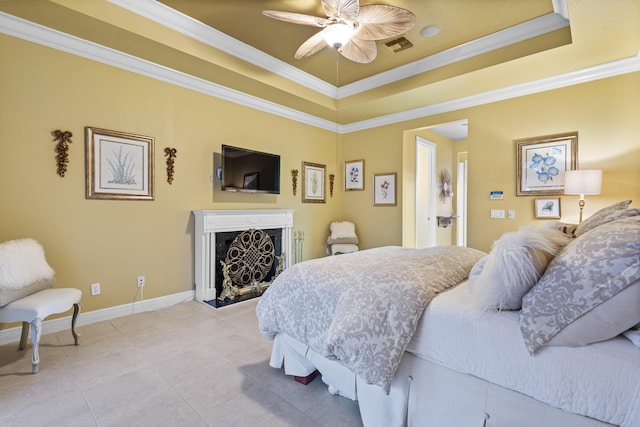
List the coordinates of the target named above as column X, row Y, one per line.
column 342, row 233
column 23, row 270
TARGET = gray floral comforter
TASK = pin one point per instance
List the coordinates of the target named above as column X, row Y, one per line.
column 362, row 309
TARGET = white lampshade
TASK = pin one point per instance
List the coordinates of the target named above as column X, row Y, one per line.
column 337, row 35
column 582, row 182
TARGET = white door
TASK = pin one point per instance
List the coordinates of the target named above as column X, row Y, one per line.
column 425, row 219
column 461, row 204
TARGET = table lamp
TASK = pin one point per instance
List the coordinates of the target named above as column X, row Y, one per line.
column 582, row 182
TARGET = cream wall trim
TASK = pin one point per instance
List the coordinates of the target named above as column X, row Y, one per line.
column 610, row 69
column 36, row 33
column 26, row 30
column 560, row 7
column 64, row 323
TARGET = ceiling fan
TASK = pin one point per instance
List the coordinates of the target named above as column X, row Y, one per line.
column 350, row 28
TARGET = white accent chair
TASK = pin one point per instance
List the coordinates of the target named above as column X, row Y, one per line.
column 26, row 295
column 342, row 238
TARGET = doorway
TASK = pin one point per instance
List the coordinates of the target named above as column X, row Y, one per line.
column 420, row 188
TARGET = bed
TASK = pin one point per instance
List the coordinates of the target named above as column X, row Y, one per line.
column 549, row 340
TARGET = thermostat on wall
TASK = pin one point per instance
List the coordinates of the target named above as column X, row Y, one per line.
column 496, row 195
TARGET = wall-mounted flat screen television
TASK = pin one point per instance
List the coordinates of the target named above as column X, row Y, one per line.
column 250, row 171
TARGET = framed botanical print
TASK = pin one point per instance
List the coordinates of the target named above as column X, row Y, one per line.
column 542, row 161
column 384, row 189
column 354, row 175
column 119, row 165
column 313, row 183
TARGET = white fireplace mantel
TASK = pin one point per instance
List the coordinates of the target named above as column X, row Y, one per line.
column 210, row 222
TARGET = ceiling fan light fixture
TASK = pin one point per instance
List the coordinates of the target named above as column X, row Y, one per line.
column 337, row 35
column 349, row 28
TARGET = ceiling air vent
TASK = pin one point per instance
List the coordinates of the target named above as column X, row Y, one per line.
column 399, row 44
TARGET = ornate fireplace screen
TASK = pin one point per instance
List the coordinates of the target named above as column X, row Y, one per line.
column 249, row 259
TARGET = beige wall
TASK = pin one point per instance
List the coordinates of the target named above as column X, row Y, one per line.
column 605, row 114
column 113, row 242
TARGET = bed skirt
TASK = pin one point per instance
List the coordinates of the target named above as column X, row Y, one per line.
column 425, row 394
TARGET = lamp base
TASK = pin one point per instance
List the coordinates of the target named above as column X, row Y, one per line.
column 581, row 204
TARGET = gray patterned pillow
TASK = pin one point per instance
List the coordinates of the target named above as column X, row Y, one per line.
column 589, row 271
column 603, row 216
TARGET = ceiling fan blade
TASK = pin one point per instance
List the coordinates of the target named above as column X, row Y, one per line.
column 296, row 18
column 346, row 9
column 313, row 44
column 379, row 21
column 359, row 50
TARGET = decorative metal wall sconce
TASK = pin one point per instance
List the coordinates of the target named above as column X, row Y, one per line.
column 294, row 180
column 446, row 186
column 62, row 148
column 170, row 154
column 331, row 178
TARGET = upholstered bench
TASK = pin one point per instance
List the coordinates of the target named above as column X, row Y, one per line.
column 26, row 293
column 33, row 309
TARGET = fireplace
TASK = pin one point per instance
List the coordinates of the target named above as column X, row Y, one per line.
column 214, row 232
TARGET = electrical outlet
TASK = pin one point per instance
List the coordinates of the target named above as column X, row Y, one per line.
column 95, row 289
column 140, row 281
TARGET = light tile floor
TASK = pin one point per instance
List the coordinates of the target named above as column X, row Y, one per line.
column 187, row 365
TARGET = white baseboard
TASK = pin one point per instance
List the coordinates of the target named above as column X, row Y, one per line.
column 64, row 323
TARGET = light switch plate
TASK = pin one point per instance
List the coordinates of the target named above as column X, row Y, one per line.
column 497, row 213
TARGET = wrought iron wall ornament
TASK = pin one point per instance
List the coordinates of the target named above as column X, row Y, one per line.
column 62, row 148
column 294, row 180
column 170, row 154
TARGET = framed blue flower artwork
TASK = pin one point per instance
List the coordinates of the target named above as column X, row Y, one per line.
column 354, row 175
column 541, row 163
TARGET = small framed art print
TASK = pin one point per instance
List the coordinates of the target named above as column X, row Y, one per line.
column 354, row 175
column 384, row 189
column 547, row 207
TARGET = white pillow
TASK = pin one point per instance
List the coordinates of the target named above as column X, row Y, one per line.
column 342, row 230
column 516, row 262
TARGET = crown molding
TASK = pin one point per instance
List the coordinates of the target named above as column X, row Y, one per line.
column 197, row 30
column 602, row 71
column 45, row 36
column 500, row 39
